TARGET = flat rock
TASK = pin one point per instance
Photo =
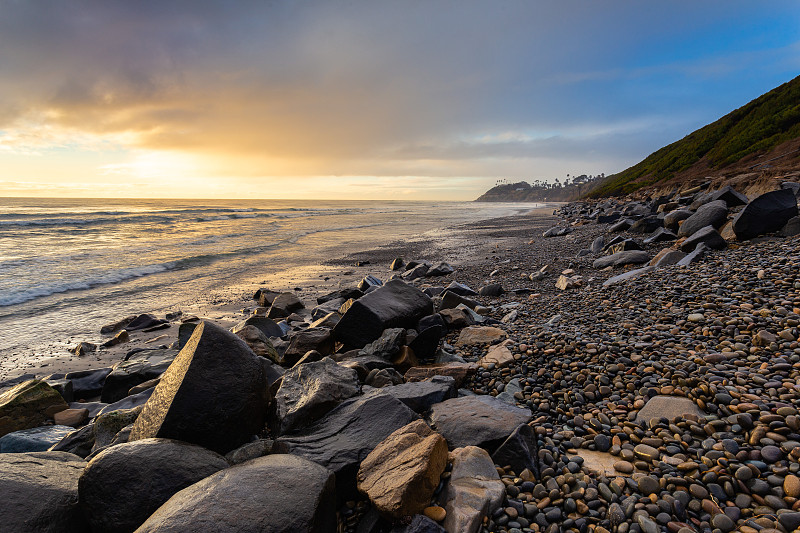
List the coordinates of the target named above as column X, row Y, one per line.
column 627, row 276
column 28, row 405
column 630, row 257
column 667, row 257
column 420, row 396
column 37, row 439
column 395, row 304
column 400, row 475
column 127, row 374
column 455, row 370
column 346, row 435
column 474, row 490
column 477, row 421
column 309, row 390
column 276, row 494
column 87, row 384
column 669, row 407
column 600, row 463
column 40, row 492
column 214, row 394
column 480, row 335
column 123, row 485
column 498, row 355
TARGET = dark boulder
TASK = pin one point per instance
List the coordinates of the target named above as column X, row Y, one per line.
column 38, row 439
column 268, row 327
column 707, row 235
column 284, row 305
column 451, row 300
column 646, row 225
column 387, row 345
column 710, row 214
column 623, row 246
column 730, row 196
column 40, row 492
column 661, row 235
column 427, row 342
column 420, row 396
column 396, row 304
column 482, row 421
column 442, row 269
column 123, row 485
column 343, row 294
column 673, row 218
column 493, row 289
column 460, row 289
column 367, row 282
column 630, row 257
column 214, row 394
column 310, row 390
column 79, row 442
column 301, row 342
column 275, row 494
column 346, row 435
column 767, row 213
column 144, row 321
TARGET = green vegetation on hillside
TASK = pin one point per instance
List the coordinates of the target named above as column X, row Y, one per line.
column 758, row 126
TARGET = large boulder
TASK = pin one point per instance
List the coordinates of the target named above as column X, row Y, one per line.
column 127, row 374
column 422, row 395
column 767, row 213
column 400, row 475
column 346, row 435
column 711, row 214
column 123, row 485
column 629, row 257
column 673, row 218
column 481, row 421
column 396, row 304
column 37, row 439
column 28, row 405
column 87, row 383
column 309, row 390
column 474, row 491
column 275, row 494
column 730, row 196
column 40, row 492
column 214, row 394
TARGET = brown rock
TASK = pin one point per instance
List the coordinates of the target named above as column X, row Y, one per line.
column 28, row 405
column 669, row 407
column 434, row 512
column 405, row 360
column 791, row 486
column 500, row 355
column 474, row 491
column 457, row 371
column 480, row 335
column 401, row 473
column 71, row 417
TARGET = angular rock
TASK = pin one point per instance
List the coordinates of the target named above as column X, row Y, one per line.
column 397, row 264
column 481, row 421
column 40, row 492
column 258, row 342
column 630, row 257
column 369, row 282
column 498, row 355
column 301, row 342
column 265, row 296
column 284, row 305
column 791, row 228
column 346, row 435
column 88, row 383
column 598, row 244
column 442, row 269
column 384, row 377
column 456, row 370
column 767, row 213
column 667, row 257
column 711, row 214
column 401, row 473
column 108, row 425
column 420, row 396
column 405, row 359
column 661, row 235
column 129, row 402
column 456, row 318
column 565, row 282
column 276, row 494
column 127, row 374
column 116, row 326
column 125, row 484
column 396, row 304
column 387, row 345
column 268, row 327
column 646, row 225
column 71, row 417
column 28, row 405
column 519, row 450
column 79, row 442
column 427, row 342
column 474, row 490
column 214, row 394
column 695, row 256
column 627, row 276
column 308, row 391
column 730, row 196
column 460, row 289
column 84, row 348
column 37, row 439
column 493, row 289
column 451, row 300
column 144, row 321
column 328, row 321
column 708, row 236
column 63, row 387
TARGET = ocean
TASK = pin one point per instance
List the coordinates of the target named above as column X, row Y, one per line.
column 69, row 266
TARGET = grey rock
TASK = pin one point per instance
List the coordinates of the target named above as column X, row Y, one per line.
column 627, row 276
column 268, row 327
column 123, row 485
column 476, row 421
column 420, row 396
column 40, row 492
column 387, row 345
column 767, row 213
column 730, row 196
column 519, row 450
column 630, row 257
column 127, row 374
column 276, row 493
column 33, row 440
column 708, row 235
column 711, row 214
column 673, row 218
column 87, row 384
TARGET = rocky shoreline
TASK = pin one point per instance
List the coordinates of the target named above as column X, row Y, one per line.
column 572, row 390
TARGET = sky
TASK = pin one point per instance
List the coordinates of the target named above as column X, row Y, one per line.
column 405, row 100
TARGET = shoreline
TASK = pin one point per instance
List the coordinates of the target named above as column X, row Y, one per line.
column 227, row 305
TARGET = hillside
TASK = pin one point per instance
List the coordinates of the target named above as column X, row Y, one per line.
column 761, row 136
column 540, row 191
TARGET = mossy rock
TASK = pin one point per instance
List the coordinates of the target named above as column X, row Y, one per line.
column 28, row 405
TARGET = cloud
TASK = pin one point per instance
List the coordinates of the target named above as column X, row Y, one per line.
column 447, row 89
